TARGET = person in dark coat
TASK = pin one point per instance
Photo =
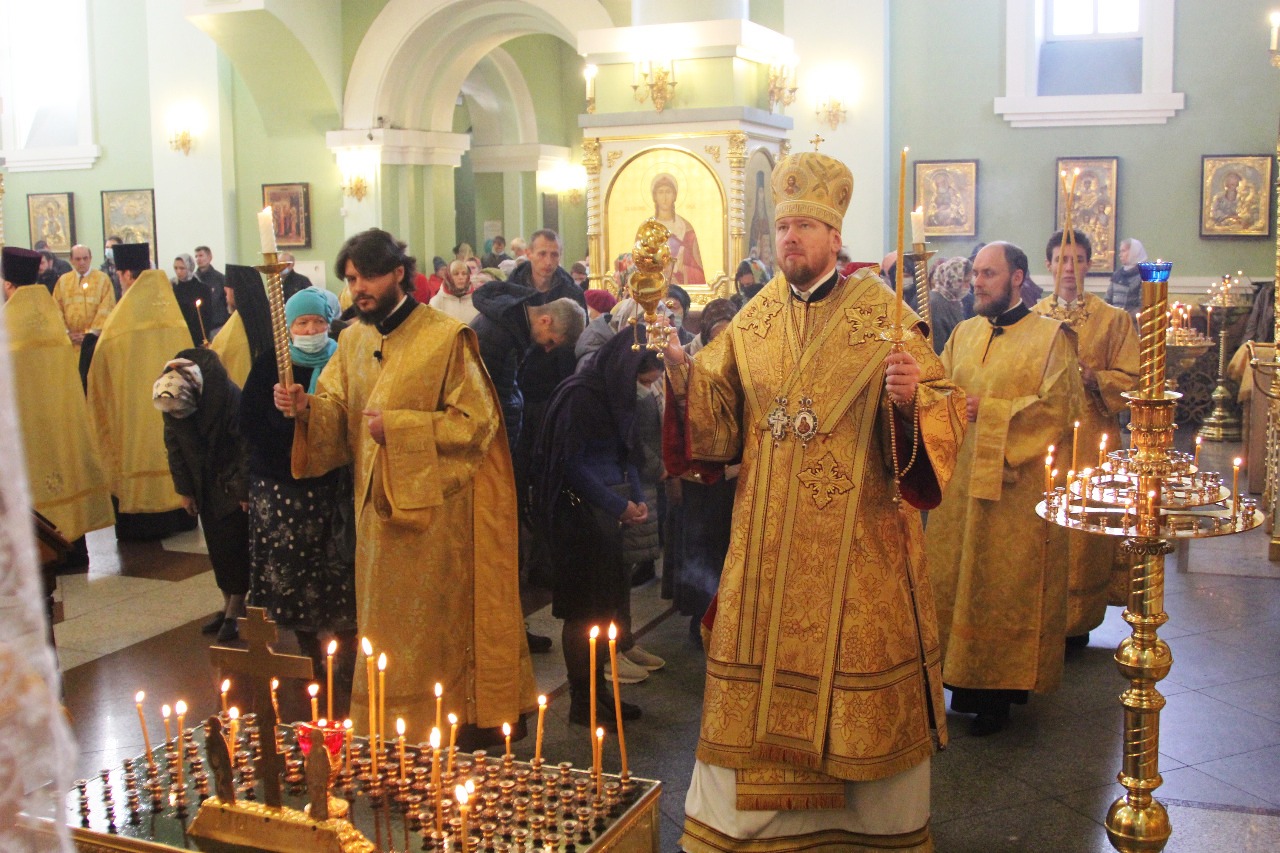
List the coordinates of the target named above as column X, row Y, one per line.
column 207, row 461
column 586, row 488
column 193, row 299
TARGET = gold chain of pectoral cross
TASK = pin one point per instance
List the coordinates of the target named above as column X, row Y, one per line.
column 804, row 424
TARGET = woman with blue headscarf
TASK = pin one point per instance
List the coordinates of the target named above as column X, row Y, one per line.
column 302, row 543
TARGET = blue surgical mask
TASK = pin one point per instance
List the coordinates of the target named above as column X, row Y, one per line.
column 311, row 344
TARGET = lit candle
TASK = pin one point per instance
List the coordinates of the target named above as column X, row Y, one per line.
column 1196, row 459
column 1102, row 450
column 181, row 708
column 328, row 684
column 1235, row 487
column 594, row 635
column 453, row 739
column 902, row 213
column 165, row 712
column 599, row 761
column 275, row 702
column 506, row 735
column 1048, row 475
column 542, row 713
column 439, row 703
column 266, row 231
column 1071, row 478
column 1075, row 441
column 313, row 690
column 142, row 721
column 1151, row 506
column 233, row 715
column 635, row 74
column 1275, row 30
column 348, row 729
column 617, row 695
column 400, row 744
column 460, row 797
column 382, row 698
column 204, row 338
column 917, row 226
column 226, row 686
column 435, row 779
column 369, row 666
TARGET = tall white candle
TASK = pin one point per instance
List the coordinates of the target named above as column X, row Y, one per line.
column 917, row 225
column 266, row 230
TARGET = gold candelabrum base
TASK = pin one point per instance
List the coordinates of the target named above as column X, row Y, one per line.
column 1149, row 494
column 272, row 268
column 919, row 257
column 1223, row 423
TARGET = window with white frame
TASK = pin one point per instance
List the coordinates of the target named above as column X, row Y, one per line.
column 1088, row 62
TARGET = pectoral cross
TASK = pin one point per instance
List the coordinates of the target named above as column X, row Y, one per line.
column 258, row 665
column 816, row 141
column 778, row 420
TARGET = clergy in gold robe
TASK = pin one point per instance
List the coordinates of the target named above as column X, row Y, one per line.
column 67, row 483
column 407, row 400
column 84, row 296
column 145, row 330
column 823, row 699
column 1107, row 344
column 999, row 571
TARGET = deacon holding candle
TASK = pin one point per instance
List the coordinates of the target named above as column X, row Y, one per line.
column 1107, row 354
column 440, row 512
column 1000, row 594
column 821, row 377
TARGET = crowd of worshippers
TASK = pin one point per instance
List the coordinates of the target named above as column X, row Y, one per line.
column 418, row 466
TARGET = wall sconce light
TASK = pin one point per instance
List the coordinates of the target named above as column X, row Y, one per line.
column 589, row 73
column 357, row 166
column 564, row 179
column 831, row 111
column 1275, row 39
column 656, row 81
column 782, row 85
column 184, row 122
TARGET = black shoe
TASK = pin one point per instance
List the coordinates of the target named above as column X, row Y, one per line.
column 229, row 631
column 1079, row 641
column 988, row 723
column 212, row 626
column 538, row 644
column 580, row 712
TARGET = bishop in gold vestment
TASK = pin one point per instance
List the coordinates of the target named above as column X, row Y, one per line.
column 823, row 698
column 1107, row 344
column 144, row 331
column 67, row 483
column 999, row 571
column 435, row 503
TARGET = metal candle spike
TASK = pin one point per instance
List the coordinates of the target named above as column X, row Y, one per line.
column 272, row 268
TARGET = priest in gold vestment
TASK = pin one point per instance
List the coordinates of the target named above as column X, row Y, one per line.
column 67, row 483
column 407, row 399
column 823, row 700
column 999, row 571
column 145, row 330
column 1107, row 343
column 84, row 296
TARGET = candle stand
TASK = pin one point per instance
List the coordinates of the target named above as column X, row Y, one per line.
column 919, row 257
column 1150, row 495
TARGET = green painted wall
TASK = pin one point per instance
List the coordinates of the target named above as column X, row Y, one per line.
column 941, row 105
column 123, row 130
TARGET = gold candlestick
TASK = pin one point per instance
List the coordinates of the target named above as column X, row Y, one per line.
column 272, row 268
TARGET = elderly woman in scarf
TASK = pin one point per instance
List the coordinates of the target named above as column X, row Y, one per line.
column 302, row 540
column 207, row 463
column 949, row 282
column 586, row 489
column 1125, row 290
column 194, row 300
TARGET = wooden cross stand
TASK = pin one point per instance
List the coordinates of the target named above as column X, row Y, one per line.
column 258, row 665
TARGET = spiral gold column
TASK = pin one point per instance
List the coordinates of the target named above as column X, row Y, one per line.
column 595, row 240
column 272, row 268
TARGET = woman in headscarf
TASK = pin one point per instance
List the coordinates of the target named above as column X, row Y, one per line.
column 1125, row 290
column 193, row 298
column 207, row 463
column 302, row 541
column 949, row 281
column 586, row 488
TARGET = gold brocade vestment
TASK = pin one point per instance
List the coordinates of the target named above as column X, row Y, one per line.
column 144, row 331
column 999, row 571
column 436, row 572
column 824, row 659
column 85, row 305
column 67, row 483
column 1107, row 343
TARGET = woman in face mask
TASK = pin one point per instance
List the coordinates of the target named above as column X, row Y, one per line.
column 302, row 539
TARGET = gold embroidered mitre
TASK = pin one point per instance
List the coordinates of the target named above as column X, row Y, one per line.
column 812, row 184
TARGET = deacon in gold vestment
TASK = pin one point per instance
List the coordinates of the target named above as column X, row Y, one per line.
column 823, row 698
column 84, row 296
column 67, row 483
column 407, row 399
column 1107, row 343
column 998, row 570
column 144, row 331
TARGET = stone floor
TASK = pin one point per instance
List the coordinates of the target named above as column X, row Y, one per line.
column 1044, row 784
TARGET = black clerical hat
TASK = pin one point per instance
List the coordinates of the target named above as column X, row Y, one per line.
column 134, row 257
column 21, row 266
